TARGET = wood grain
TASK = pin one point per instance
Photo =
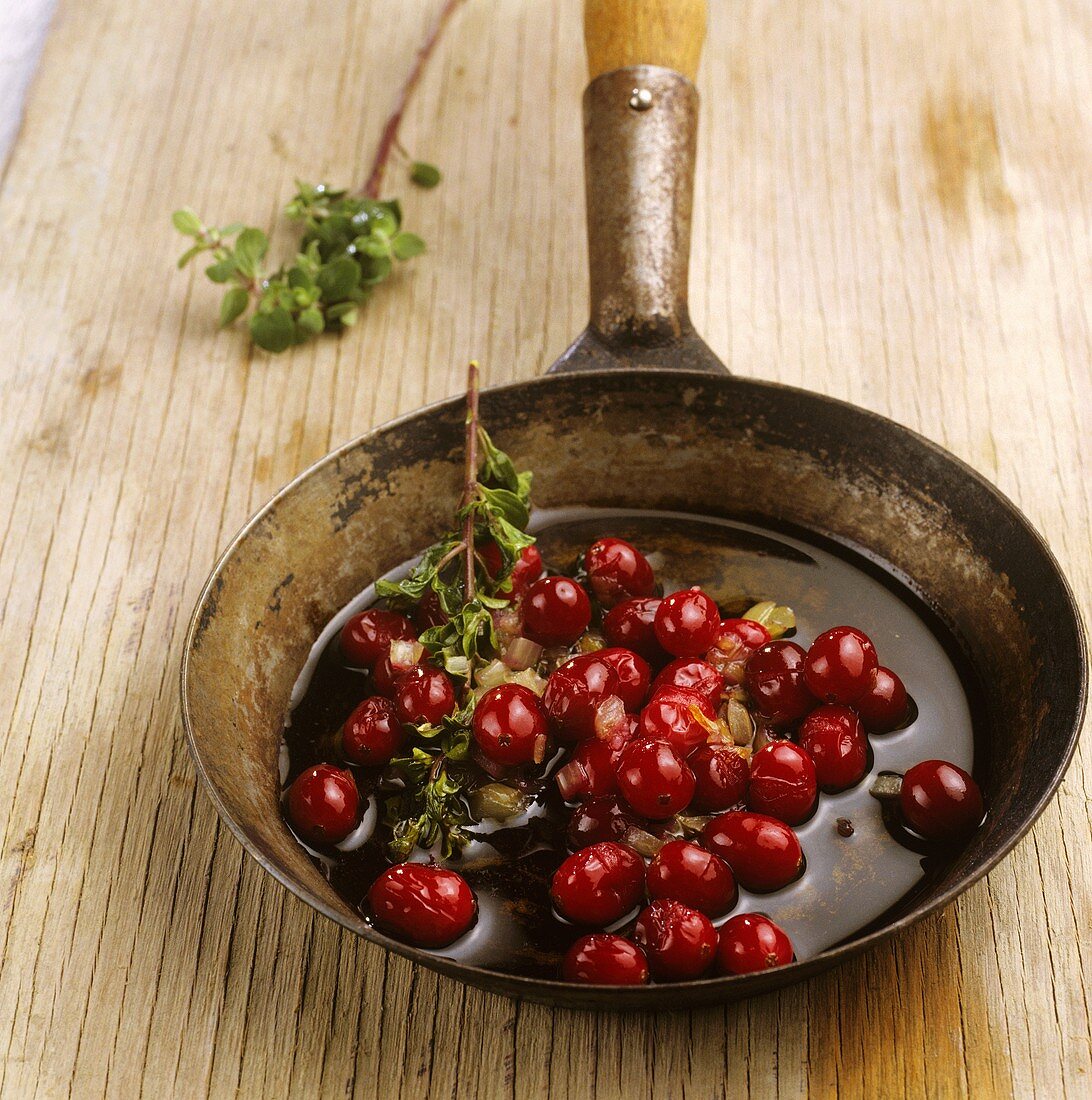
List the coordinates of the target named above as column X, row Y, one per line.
column 893, row 207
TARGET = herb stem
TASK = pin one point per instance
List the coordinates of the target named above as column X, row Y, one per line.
column 470, row 481
column 389, row 137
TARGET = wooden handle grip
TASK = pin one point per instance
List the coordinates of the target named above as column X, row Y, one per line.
column 620, row 33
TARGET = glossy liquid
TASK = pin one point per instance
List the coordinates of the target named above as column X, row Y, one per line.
column 850, row 881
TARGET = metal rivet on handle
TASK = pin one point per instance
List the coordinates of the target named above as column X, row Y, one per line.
column 640, row 99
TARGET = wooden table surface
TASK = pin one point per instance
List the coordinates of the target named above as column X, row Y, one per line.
column 894, row 207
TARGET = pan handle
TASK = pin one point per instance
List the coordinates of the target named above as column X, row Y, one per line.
column 640, row 135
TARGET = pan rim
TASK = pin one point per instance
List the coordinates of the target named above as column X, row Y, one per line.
column 636, row 997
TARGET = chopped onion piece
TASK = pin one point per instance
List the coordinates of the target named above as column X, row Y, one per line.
column 887, row 786
column 492, row 675
column 740, row 723
column 458, row 666
column 498, row 801
column 522, row 653
column 590, row 643
column 610, row 718
column 572, row 780
column 776, row 618
column 689, row 825
column 406, row 654
column 643, row 843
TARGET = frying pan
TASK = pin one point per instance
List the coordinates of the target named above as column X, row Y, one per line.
column 639, row 413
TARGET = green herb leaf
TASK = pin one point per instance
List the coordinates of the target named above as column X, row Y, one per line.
column 273, row 331
column 186, row 221
column 407, row 245
column 250, row 247
column 424, row 175
column 233, row 303
column 338, row 279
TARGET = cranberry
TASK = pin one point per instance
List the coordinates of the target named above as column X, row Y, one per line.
column 678, row 716
column 783, row 783
column 366, row 638
column 835, row 740
column 838, row 665
column 556, row 611
column 678, row 941
column 385, row 675
column 751, row 942
column 634, row 675
column 324, row 804
column 721, row 775
column 685, row 872
column 686, row 622
column 654, row 779
column 422, row 904
column 598, row 884
column 693, row 674
column 764, row 853
column 527, row 567
column 744, row 631
column 510, row 725
column 429, row 613
column 372, row 734
column 617, row 571
column 631, row 625
column 941, row 801
column 574, row 693
column 775, row 681
column 589, row 772
column 605, row 959
column 424, row 696
column 884, row 704
column 598, row 820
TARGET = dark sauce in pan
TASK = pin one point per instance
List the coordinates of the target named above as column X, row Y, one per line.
column 855, row 874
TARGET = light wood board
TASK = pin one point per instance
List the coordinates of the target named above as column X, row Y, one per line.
column 894, row 207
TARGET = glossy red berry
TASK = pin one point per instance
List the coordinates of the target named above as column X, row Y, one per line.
column 654, row 779
column 366, row 638
column 838, row 665
column 372, row 734
column 510, row 725
column 599, row 884
column 679, row 717
column 721, row 775
column 617, row 571
column 575, row 692
column 589, row 772
column 385, row 675
column 751, row 942
column 783, row 783
column 632, row 625
column 686, row 622
column 688, row 873
column 693, row 674
column 605, row 959
column 324, row 804
column 428, row 612
column 764, row 853
column 679, row 942
column 634, row 675
column 745, row 631
column 835, row 740
column 775, row 681
column 527, row 568
column 556, row 611
column 884, row 704
column 422, row 904
column 940, row 801
column 424, row 696
column 597, row 820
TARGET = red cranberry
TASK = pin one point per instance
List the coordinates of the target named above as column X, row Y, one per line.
column 574, row 693
column 631, row 625
column 372, row 734
column 527, row 567
column 422, row 904
column 605, row 959
column 764, row 853
column 597, row 820
column 678, row 941
column 884, row 705
column 424, row 696
column 751, row 942
column 721, row 775
column 634, row 675
column 324, row 804
column 429, row 613
column 835, row 740
column 678, row 716
column 838, row 665
column 385, row 675
column 693, row 674
column 366, row 638
column 783, row 783
column 775, row 681
column 510, row 725
column 589, row 772
column 556, row 611
column 685, row 872
column 744, row 631
column 686, row 622
column 598, row 884
column 941, row 801
column 617, row 571
column 654, row 779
